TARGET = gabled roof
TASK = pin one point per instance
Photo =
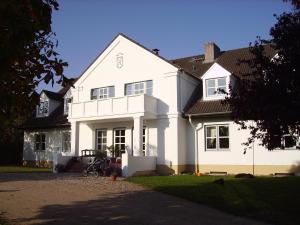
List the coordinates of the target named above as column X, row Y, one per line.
column 193, row 65
column 135, row 42
column 53, row 95
column 232, row 60
column 54, row 120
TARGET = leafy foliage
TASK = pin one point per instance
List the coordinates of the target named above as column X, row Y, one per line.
column 270, row 94
column 27, row 57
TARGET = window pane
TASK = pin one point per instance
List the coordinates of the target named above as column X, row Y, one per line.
column 43, row 137
column 223, row 131
column 222, row 82
column 94, row 93
column 111, row 92
column 210, row 83
column 37, row 138
column 224, row 143
column 211, row 91
column 277, row 142
column 122, row 139
column 149, row 87
column 46, row 107
column 43, row 146
column 289, row 141
column 211, row 143
column 211, row 132
column 123, row 132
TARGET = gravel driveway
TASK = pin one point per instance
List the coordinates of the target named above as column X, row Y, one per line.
column 67, row 199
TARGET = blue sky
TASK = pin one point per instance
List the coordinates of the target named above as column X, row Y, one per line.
column 178, row 28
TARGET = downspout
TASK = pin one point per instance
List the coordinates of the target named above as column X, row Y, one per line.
column 196, row 128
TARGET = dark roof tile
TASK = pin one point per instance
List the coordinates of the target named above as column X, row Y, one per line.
column 208, row 107
column 55, row 119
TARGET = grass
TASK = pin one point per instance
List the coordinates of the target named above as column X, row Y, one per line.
column 270, row 199
column 3, row 222
column 21, row 169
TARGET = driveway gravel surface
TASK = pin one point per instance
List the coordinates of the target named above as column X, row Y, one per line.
column 71, row 199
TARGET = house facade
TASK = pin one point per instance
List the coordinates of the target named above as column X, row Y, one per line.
column 147, row 107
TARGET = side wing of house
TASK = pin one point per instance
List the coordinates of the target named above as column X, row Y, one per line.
column 215, row 142
column 46, row 131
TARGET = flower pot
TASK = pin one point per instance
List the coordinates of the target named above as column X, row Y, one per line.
column 113, row 177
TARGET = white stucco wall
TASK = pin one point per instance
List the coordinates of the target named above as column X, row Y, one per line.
column 138, row 65
column 53, row 143
column 235, row 156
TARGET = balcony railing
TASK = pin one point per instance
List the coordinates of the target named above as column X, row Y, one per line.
column 114, row 106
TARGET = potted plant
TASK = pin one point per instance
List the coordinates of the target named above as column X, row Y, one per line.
column 114, row 175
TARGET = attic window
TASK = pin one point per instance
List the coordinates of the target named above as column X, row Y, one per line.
column 214, row 87
column 43, row 108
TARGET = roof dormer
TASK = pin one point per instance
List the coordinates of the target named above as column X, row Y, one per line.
column 215, row 82
column 49, row 101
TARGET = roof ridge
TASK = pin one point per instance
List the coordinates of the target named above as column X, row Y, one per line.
column 193, row 56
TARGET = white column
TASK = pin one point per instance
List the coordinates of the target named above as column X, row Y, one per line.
column 138, row 136
column 74, row 138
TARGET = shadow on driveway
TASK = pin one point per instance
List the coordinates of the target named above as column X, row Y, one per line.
column 140, row 208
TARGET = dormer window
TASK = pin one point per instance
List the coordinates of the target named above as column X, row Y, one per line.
column 43, row 108
column 214, row 87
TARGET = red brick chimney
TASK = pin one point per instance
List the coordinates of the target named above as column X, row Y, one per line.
column 211, row 51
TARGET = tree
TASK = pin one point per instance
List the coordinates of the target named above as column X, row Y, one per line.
column 27, row 57
column 270, row 94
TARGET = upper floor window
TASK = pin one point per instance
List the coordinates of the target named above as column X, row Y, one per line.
column 143, row 87
column 66, row 105
column 214, row 87
column 43, row 108
column 103, row 93
column 39, row 142
column 217, row 137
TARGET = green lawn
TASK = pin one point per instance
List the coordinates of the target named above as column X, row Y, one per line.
column 276, row 200
column 21, row 169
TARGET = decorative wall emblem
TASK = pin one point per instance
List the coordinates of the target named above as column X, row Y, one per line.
column 119, row 60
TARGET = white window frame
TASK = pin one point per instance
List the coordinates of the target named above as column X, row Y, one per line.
column 216, row 87
column 43, row 108
column 64, row 141
column 100, row 139
column 217, row 137
column 282, row 141
column 40, row 142
column 145, row 141
column 102, row 93
column 120, row 138
column 66, row 105
column 137, row 88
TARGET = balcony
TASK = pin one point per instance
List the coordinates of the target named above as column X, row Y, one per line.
column 114, row 108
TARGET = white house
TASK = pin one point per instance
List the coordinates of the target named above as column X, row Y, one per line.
column 164, row 115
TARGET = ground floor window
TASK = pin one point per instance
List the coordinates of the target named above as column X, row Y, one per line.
column 66, row 141
column 40, row 142
column 287, row 142
column 101, row 139
column 119, row 141
column 217, row 137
